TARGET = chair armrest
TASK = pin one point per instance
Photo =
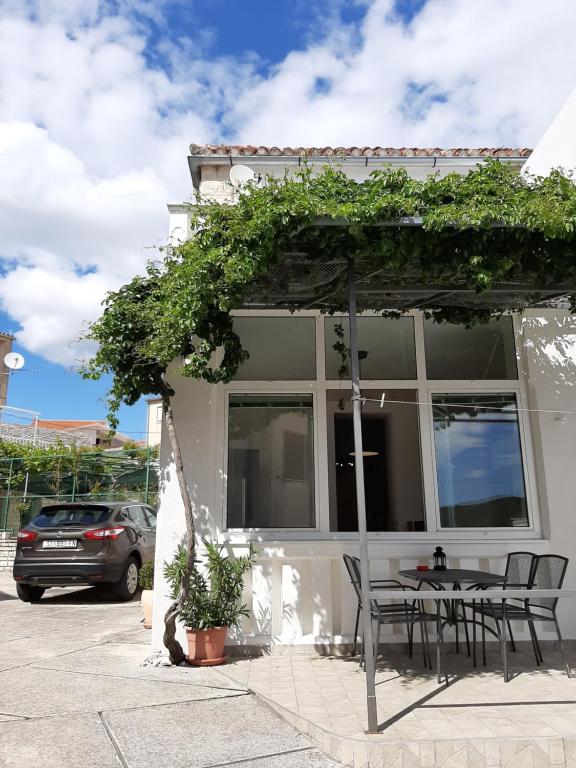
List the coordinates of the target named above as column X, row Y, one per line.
column 392, row 584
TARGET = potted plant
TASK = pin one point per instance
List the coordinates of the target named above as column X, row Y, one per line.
column 146, row 583
column 213, row 603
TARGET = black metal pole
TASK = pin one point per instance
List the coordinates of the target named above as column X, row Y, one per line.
column 367, row 637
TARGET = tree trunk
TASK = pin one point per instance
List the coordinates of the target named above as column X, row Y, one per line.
column 177, row 655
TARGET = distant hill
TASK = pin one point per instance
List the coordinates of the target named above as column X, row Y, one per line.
column 494, row 512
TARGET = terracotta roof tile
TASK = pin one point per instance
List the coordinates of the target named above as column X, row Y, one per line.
column 67, row 424
column 247, row 150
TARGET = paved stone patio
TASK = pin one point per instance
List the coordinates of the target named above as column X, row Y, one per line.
column 73, row 694
column 477, row 720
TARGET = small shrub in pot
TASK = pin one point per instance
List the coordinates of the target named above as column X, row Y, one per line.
column 214, row 600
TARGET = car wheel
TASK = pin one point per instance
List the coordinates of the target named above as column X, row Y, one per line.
column 125, row 589
column 29, row 594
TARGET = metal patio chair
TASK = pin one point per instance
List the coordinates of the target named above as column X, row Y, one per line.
column 548, row 572
column 408, row 613
column 518, row 574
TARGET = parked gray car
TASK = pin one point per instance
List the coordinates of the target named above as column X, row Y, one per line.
column 85, row 543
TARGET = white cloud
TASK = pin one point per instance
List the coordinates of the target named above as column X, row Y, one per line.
column 461, row 74
column 93, row 138
column 92, row 146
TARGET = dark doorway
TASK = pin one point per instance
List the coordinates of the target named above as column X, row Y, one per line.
column 375, row 475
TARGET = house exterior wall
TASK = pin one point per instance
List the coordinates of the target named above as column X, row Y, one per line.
column 298, row 592
column 5, row 347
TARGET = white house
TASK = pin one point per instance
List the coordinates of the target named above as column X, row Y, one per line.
column 269, row 455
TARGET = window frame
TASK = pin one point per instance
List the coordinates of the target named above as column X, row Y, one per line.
column 455, row 390
column 425, row 388
column 315, row 457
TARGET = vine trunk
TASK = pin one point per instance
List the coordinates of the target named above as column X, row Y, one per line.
column 177, row 655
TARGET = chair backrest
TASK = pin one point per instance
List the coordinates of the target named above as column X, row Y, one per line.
column 353, row 567
column 520, row 568
column 549, row 572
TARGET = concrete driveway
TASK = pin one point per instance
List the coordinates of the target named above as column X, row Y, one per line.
column 73, row 694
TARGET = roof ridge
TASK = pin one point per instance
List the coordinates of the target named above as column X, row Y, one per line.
column 253, row 150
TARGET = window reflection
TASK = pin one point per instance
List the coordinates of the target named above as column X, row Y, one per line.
column 484, row 351
column 479, row 461
column 387, row 347
column 270, row 461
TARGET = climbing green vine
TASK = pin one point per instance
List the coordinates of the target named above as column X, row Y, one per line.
column 485, row 227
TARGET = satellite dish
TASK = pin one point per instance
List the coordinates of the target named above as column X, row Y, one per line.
column 240, row 175
column 13, row 360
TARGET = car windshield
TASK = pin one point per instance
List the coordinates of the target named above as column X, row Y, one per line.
column 59, row 517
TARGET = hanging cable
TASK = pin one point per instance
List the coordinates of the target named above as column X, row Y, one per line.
column 473, row 406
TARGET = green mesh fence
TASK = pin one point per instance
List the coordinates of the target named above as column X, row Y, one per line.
column 28, row 482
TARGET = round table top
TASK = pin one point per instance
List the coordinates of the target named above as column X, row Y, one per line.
column 453, row 576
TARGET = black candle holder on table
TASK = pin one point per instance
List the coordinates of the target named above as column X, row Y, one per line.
column 439, row 559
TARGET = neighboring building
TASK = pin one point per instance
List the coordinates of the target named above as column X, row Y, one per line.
column 94, row 433
column 268, row 456
column 5, row 346
column 153, row 421
column 29, row 434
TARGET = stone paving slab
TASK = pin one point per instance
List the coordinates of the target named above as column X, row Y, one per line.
column 202, row 734
column 77, row 741
column 307, row 758
column 137, row 637
column 59, row 691
column 29, row 650
column 125, row 660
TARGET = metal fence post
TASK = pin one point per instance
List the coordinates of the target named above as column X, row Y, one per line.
column 147, row 485
column 6, row 504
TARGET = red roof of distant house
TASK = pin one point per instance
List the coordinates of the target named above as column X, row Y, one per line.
column 67, row 424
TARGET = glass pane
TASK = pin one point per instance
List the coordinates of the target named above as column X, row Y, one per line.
column 479, row 461
column 481, row 352
column 270, row 462
column 281, row 348
column 386, row 347
column 392, row 465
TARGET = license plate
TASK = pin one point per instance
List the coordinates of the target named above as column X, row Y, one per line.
column 59, row 543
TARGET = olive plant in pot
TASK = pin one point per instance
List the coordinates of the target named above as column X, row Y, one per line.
column 146, row 584
column 214, row 599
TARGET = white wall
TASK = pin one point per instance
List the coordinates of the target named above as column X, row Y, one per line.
column 298, row 591
column 153, row 423
column 196, row 413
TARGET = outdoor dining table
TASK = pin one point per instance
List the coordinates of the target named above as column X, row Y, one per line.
column 456, row 578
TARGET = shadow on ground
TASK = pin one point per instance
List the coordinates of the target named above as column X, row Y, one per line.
column 99, row 595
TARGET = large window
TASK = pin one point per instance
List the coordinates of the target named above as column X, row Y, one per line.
column 386, row 345
column 479, row 461
column 270, row 461
column 432, row 460
column 484, row 351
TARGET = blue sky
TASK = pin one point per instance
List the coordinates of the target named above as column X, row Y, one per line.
column 94, row 128
column 58, row 392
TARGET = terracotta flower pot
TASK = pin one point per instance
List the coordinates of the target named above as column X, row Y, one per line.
column 206, row 646
column 146, row 601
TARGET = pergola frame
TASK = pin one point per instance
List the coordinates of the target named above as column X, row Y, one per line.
column 500, row 297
